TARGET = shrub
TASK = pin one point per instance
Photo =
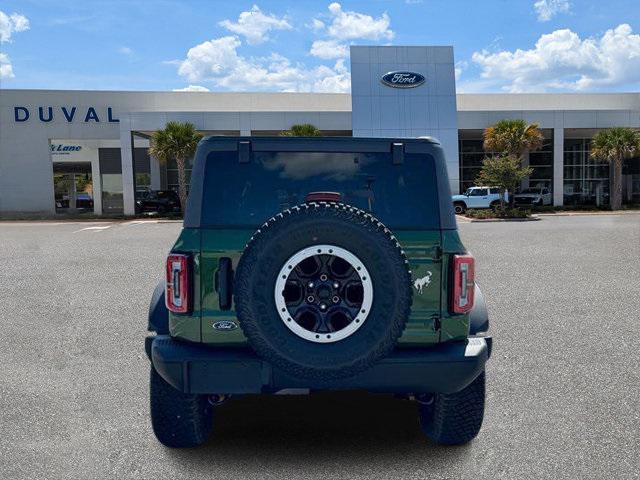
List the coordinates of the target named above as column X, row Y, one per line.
column 484, row 214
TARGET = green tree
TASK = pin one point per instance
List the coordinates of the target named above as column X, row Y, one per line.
column 177, row 141
column 301, row 130
column 504, row 172
column 513, row 137
column 615, row 145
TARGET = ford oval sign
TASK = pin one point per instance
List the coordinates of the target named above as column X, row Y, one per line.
column 225, row 325
column 403, row 79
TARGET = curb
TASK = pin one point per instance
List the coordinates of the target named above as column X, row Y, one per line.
column 97, row 220
column 572, row 214
column 496, row 220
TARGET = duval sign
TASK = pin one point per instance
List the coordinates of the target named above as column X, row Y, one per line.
column 403, row 79
column 66, row 113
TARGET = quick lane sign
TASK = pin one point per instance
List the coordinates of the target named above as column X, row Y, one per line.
column 61, row 149
column 68, row 113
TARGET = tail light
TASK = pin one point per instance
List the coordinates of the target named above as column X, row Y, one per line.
column 463, row 283
column 178, row 284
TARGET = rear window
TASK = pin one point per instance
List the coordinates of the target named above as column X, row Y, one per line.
column 247, row 194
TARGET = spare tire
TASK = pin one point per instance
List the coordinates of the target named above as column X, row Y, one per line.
column 323, row 291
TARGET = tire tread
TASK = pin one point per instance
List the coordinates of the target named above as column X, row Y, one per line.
column 179, row 420
column 455, row 419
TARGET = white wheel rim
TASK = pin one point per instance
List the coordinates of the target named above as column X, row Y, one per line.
column 363, row 309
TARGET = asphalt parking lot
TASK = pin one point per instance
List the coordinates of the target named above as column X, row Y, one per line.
column 563, row 382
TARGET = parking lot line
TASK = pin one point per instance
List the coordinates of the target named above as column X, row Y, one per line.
column 94, row 229
column 139, row 222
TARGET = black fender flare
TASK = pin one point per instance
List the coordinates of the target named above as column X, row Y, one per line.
column 158, row 313
column 479, row 316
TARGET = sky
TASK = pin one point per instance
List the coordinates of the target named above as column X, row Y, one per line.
column 286, row 45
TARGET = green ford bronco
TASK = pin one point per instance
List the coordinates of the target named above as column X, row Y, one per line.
column 310, row 264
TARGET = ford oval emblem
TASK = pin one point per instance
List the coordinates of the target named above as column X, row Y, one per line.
column 225, row 325
column 403, row 79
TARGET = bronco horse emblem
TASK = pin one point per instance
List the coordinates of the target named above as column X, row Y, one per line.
column 420, row 283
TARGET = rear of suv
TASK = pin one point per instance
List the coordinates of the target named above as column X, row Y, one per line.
column 312, row 264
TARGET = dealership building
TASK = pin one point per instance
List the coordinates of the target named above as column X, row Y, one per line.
column 71, row 151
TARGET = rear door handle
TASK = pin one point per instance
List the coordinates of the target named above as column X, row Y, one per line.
column 224, row 283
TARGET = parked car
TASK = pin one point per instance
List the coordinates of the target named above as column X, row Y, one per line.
column 157, row 201
column 84, row 200
column 477, row 197
column 310, row 264
column 537, row 196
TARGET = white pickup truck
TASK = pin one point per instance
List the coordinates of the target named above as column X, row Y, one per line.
column 533, row 196
column 477, row 197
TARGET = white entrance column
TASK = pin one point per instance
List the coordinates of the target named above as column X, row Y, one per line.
column 96, row 180
column 558, row 166
column 126, row 158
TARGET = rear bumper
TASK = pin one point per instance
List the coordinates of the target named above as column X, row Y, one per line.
column 196, row 368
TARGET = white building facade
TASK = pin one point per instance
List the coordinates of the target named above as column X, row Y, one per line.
column 71, row 151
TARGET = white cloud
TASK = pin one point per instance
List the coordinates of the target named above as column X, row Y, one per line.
column 561, row 60
column 460, row 67
column 210, row 59
column 6, row 70
column 316, row 25
column 335, row 80
column 547, row 9
column 254, row 25
column 10, row 24
column 346, row 25
column 192, row 88
column 354, row 25
column 125, row 51
column 328, row 49
column 217, row 61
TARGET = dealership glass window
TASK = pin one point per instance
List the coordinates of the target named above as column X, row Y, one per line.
column 635, row 187
column 586, row 181
column 471, row 157
column 541, row 161
column 631, row 172
column 142, row 164
column 111, row 180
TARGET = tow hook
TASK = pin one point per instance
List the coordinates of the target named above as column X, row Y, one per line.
column 218, row 399
column 423, row 398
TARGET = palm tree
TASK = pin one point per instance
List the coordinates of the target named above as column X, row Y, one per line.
column 177, row 141
column 302, row 130
column 615, row 145
column 513, row 137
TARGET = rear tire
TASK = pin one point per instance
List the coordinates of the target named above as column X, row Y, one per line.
column 179, row 420
column 459, row 208
column 454, row 418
